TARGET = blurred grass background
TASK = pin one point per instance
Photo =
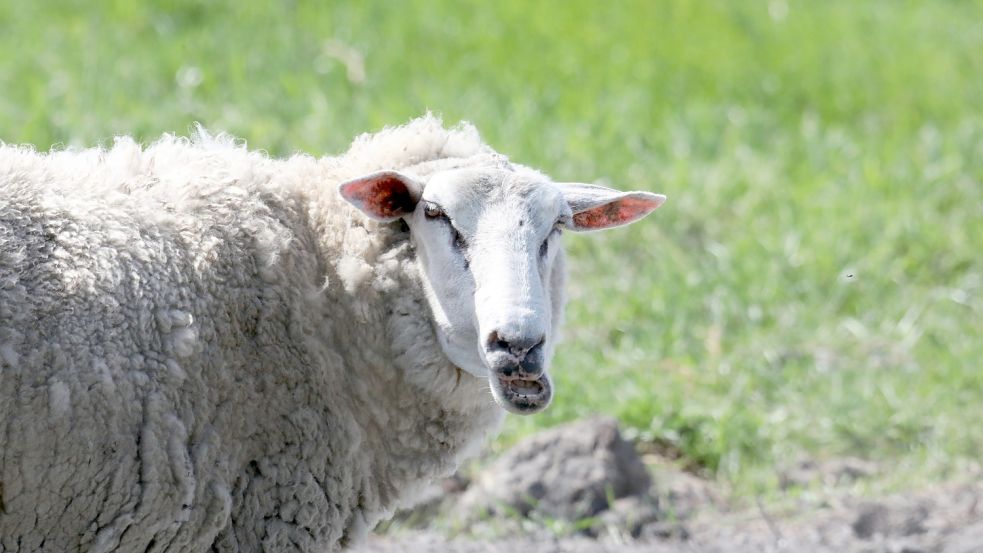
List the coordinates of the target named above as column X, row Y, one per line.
column 813, row 287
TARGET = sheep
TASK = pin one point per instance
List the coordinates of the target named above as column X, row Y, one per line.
column 206, row 349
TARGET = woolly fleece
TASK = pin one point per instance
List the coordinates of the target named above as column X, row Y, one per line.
column 205, row 349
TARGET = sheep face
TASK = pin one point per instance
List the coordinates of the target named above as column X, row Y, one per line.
column 488, row 241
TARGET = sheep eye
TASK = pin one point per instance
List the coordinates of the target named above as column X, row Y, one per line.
column 432, row 211
column 545, row 247
column 459, row 241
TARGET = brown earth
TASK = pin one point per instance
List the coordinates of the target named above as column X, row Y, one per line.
column 581, row 488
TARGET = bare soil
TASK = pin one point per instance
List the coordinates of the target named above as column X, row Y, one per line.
column 943, row 519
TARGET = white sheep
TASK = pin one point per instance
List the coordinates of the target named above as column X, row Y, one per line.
column 205, row 349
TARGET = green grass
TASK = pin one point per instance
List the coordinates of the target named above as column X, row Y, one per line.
column 814, row 286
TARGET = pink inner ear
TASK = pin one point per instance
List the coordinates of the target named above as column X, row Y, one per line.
column 383, row 197
column 616, row 213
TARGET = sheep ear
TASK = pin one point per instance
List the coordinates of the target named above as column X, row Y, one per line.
column 383, row 196
column 597, row 207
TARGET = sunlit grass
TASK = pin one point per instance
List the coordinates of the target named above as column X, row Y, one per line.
column 814, row 284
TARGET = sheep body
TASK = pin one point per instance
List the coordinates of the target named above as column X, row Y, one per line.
column 202, row 348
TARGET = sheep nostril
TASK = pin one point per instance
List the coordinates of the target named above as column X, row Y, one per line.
column 519, row 348
column 496, row 343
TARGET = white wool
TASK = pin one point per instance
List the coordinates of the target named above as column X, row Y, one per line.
column 206, row 349
column 60, row 398
column 8, row 355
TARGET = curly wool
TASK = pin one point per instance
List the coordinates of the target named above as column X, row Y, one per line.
column 202, row 348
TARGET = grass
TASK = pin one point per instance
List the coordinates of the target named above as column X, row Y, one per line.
column 814, row 286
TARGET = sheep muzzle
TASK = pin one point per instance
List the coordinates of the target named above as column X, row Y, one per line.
column 522, row 395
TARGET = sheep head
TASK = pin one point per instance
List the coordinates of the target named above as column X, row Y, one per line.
column 488, row 241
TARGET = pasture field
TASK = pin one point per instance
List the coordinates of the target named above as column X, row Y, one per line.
column 813, row 286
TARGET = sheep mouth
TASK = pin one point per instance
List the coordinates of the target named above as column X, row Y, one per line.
column 522, row 395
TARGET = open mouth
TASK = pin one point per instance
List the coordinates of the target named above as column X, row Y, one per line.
column 522, row 395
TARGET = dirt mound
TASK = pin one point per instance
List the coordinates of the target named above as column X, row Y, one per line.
column 582, row 488
column 570, row 472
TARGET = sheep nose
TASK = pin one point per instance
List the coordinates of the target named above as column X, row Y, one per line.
column 519, row 356
column 517, row 347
